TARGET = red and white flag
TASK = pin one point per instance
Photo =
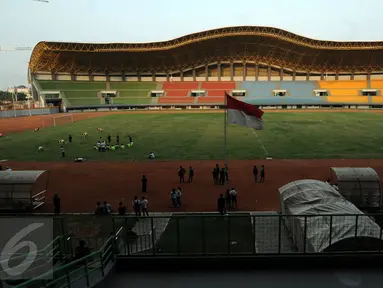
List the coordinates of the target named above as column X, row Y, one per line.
column 243, row 114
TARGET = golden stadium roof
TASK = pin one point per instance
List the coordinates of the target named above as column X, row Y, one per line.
column 270, row 46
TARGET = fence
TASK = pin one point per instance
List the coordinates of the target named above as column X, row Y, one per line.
column 251, row 234
column 28, row 112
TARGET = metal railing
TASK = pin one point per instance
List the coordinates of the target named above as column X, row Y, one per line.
column 251, row 234
column 84, row 272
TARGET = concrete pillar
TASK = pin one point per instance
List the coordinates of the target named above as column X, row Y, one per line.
column 53, row 76
column 281, row 74
column 294, row 75
column 322, row 76
column 91, row 77
column 368, row 75
column 182, row 74
column 167, row 76
column 336, row 76
column 194, row 74
column 206, row 72
column 219, row 70
column 154, row 77
column 268, row 73
column 308, row 76
column 107, row 76
column 352, row 75
column 256, row 72
column 123, row 76
column 231, row 70
column 139, row 76
column 244, row 70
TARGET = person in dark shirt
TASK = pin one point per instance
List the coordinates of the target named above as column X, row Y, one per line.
column 255, row 173
column 181, row 174
column 99, row 209
column 222, row 176
column 70, row 138
column 191, row 174
column 214, row 176
column 130, row 140
column 118, row 140
column 221, row 205
column 136, row 206
column 109, row 139
column 262, row 174
column 144, row 182
column 226, row 173
column 121, row 209
column 81, row 250
column 57, row 204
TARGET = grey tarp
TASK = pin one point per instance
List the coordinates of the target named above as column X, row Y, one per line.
column 361, row 186
column 307, row 206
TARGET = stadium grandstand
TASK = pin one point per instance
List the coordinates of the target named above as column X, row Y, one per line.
column 265, row 66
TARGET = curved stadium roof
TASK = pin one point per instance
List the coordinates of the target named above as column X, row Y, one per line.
column 270, row 46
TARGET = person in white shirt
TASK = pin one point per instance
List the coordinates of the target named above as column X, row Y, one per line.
column 178, row 196
column 173, row 197
column 99, row 146
column 144, row 206
column 151, row 155
column 103, row 145
column 233, row 196
column 136, row 206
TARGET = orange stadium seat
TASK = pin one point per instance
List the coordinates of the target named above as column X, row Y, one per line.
column 211, row 100
column 180, row 85
column 213, row 93
column 348, row 99
column 218, row 85
column 344, row 92
column 177, row 93
column 376, row 84
column 344, row 84
column 176, row 100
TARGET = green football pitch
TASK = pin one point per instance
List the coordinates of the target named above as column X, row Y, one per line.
column 201, row 136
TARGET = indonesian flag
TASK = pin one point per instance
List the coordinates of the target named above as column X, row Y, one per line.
column 243, row 114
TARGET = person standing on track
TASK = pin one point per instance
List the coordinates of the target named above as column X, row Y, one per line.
column 255, row 173
column 57, row 204
column 136, row 206
column 233, row 194
column 262, row 174
column 178, row 196
column 221, row 205
column 118, row 140
column 222, row 176
column 144, row 206
column 181, row 174
column 191, row 174
column 144, row 182
column 226, row 173
column 173, row 197
column 62, row 151
column 70, row 138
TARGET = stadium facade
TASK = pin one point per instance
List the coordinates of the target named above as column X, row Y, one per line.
column 267, row 66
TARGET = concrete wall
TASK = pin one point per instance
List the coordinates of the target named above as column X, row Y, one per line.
column 25, row 112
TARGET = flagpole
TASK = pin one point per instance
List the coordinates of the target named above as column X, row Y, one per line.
column 225, row 130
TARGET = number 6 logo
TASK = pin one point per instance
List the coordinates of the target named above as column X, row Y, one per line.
column 13, row 246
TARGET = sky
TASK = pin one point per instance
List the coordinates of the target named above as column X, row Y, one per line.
column 27, row 22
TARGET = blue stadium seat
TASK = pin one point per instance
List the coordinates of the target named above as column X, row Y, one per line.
column 259, row 89
column 298, row 88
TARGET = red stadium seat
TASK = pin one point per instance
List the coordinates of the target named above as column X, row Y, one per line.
column 177, row 93
column 216, row 93
column 176, row 100
column 218, row 85
column 218, row 100
column 180, row 85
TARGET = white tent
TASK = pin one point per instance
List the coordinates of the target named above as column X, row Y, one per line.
column 22, row 190
column 318, row 216
column 360, row 186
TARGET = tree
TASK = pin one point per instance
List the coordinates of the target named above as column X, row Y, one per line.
column 21, row 97
column 5, row 96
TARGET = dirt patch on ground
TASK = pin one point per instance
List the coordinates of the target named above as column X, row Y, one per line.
column 20, row 124
column 81, row 185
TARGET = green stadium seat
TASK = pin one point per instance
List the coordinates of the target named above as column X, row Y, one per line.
column 71, row 85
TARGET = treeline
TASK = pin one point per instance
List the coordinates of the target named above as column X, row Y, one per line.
column 6, row 96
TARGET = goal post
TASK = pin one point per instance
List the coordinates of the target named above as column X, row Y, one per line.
column 62, row 120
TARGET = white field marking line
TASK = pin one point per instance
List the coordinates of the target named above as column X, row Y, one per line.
column 260, row 143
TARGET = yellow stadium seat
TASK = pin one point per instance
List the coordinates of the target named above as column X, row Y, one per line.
column 376, row 84
column 344, row 92
column 348, row 99
column 345, row 84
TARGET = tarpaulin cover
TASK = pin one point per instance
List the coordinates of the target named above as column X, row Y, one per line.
column 312, row 206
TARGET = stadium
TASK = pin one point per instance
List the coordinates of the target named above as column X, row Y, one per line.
column 322, row 105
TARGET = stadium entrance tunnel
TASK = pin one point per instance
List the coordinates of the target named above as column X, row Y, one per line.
column 319, row 219
column 360, row 186
column 22, row 190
